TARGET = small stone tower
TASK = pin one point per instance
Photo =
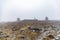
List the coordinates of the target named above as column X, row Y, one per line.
column 18, row 19
column 46, row 18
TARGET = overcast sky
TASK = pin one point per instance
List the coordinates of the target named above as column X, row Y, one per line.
column 29, row 9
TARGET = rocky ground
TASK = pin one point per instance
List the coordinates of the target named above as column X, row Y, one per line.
column 31, row 31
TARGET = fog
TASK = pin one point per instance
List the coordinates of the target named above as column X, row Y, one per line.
column 29, row 9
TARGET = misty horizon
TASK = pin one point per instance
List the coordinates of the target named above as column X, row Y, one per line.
column 10, row 10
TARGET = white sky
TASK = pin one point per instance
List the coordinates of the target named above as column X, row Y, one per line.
column 29, row 9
